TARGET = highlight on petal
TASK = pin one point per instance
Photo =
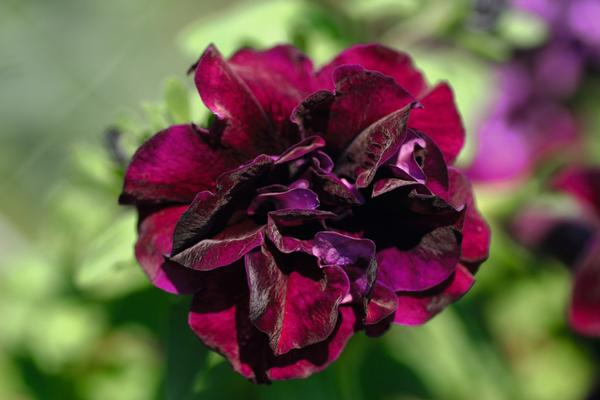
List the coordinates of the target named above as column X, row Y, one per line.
column 440, row 120
column 585, row 301
column 154, row 243
column 378, row 58
column 416, row 308
column 173, row 166
column 285, row 289
column 292, row 199
column 383, row 302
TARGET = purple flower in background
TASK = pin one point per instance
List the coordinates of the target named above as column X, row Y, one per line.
column 573, row 239
column 319, row 203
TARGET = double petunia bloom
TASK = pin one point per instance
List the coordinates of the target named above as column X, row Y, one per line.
column 317, row 204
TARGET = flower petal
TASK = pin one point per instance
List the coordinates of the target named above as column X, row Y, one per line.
column 440, row 120
column 584, row 314
column 285, row 289
column 378, row 58
column 292, row 199
column 173, row 166
column 293, row 230
column 426, row 264
column 583, row 183
column 383, row 302
column 416, row 309
column 154, row 242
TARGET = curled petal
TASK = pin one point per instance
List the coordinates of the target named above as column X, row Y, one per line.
column 292, row 199
column 301, row 149
column 154, row 242
column 378, row 58
column 416, row 309
column 284, row 290
column 382, row 303
column 293, row 230
column 173, row 166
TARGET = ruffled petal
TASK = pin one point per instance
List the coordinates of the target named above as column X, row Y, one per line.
column 285, row 289
column 154, row 243
column 292, row 199
column 440, row 120
column 416, row 309
column 293, row 230
column 173, row 166
column 378, row 58
column 382, row 304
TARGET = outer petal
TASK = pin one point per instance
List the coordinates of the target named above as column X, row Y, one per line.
column 376, row 58
column 416, row 309
column 440, row 120
column 583, row 183
column 154, row 242
column 584, row 314
column 219, row 316
column 244, row 124
column 284, row 290
column 430, row 262
column 173, row 166
column 361, row 98
column 476, row 232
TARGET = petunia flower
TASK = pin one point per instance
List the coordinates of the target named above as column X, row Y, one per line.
column 572, row 239
column 319, row 203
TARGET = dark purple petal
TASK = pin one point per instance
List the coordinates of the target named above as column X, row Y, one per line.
column 476, row 232
column 293, row 199
column 226, row 247
column 292, row 300
column 584, row 314
column 416, row 309
column 373, row 147
column 173, row 166
column 301, row 149
column 383, row 302
column 440, row 120
column 334, row 191
column 378, row 58
column 154, row 243
column 210, row 211
column 293, row 230
column 244, row 125
column 583, row 183
column 426, row 264
column 361, row 98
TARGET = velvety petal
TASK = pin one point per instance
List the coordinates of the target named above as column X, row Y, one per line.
column 334, row 191
column 416, row 309
column 219, row 317
column 382, row 303
column 293, row 230
column 361, row 98
column 476, row 232
column 173, row 166
column 295, row 199
column 583, row 183
column 440, row 120
column 373, row 147
column 210, row 210
column 285, row 289
column 378, row 58
column 584, row 314
column 226, row 247
column 301, row 149
column 427, row 264
column 279, row 78
column 154, row 242
column 243, row 123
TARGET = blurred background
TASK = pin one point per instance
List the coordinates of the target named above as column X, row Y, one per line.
column 83, row 83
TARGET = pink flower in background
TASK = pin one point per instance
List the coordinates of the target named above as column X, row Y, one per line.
column 573, row 239
column 319, row 203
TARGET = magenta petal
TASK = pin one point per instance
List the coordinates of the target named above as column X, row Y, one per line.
column 293, row 199
column 430, row 262
column 584, row 314
column 174, row 165
column 211, row 210
column 247, row 127
column 583, row 183
column 476, row 232
column 361, row 98
column 378, row 58
column 228, row 246
column 285, row 289
column 373, row 147
column 301, row 149
column 154, row 242
column 439, row 119
column 293, row 230
column 383, row 302
column 416, row 309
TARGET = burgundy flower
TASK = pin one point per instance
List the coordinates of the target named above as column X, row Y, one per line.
column 573, row 239
column 318, row 203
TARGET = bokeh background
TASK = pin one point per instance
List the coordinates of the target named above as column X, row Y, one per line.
column 84, row 82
